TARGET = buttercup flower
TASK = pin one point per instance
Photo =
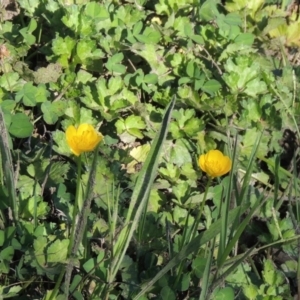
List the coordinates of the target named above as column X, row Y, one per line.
column 214, row 163
column 82, row 139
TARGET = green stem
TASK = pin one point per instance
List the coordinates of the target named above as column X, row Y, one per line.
column 75, row 211
column 197, row 220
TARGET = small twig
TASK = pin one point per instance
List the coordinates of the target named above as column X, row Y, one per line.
column 62, row 93
column 210, row 59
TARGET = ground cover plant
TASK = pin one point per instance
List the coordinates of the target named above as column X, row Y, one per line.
column 149, row 149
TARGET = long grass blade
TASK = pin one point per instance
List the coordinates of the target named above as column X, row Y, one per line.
column 8, row 167
column 141, row 191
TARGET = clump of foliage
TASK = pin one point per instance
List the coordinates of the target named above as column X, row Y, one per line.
column 164, row 82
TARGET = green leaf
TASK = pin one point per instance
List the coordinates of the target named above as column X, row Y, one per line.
column 171, row 172
column 135, row 132
column 151, row 78
column 190, row 69
column 12, row 292
column 271, row 275
column 180, row 153
column 11, row 82
column 9, row 233
column 52, row 111
column 243, row 75
column 89, row 265
column 184, row 282
column 32, row 25
column 251, row 291
column 7, row 253
column 149, row 36
column 62, row 48
column 245, row 38
column 198, row 266
column 115, row 59
column 226, row 293
column 211, row 86
column 208, row 10
column 59, row 107
column 49, row 115
column 57, row 172
column 39, row 245
column 29, row 39
column 21, row 126
column 153, row 55
column 167, row 293
column 115, row 84
column 8, row 105
column 134, row 122
column 27, row 94
column 72, row 17
column 198, row 39
column 57, row 251
column 84, row 49
column 137, row 28
column 181, row 190
column 41, row 94
column 96, row 11
column 193, row 127
column 233, row 19
column 60, row 139
column 29, row 5
column 113, row 64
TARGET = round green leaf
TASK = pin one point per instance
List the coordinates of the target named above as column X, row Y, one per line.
column 225, row 294
column 198, row 266
column 21, row 126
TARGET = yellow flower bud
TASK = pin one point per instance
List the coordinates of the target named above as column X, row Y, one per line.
column 82, row 139
column 156, row 20
column 214, row 163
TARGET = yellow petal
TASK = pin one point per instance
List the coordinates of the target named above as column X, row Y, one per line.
column 83, row 128
column 201, row 162
column 71, row 136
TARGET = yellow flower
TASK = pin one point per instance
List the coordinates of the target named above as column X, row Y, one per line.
column 82, row 139
column 214, row 163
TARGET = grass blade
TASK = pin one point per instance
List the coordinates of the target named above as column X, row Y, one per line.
column 8, row 167
column 141, row 191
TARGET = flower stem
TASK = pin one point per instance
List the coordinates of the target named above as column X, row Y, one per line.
column 75, row 211
column 197, row 220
